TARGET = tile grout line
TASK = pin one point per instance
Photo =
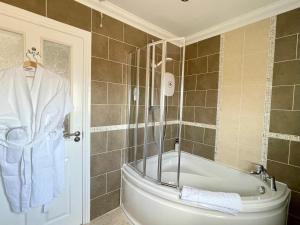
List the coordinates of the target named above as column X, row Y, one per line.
column 291, row 165
column 293, row 100
column 289, row 154
column 297, row 43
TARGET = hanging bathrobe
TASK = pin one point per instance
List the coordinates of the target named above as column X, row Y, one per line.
column 31, row 136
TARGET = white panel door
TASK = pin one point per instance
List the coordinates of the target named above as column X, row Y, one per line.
column 63, row 54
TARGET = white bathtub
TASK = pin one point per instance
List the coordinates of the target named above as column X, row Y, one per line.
column 147, row 203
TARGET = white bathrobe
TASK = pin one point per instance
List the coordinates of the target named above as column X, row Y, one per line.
column 31, row 136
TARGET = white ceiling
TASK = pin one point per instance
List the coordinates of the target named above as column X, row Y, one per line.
column 187, row 18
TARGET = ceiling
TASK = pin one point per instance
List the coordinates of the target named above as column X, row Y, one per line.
column 187, row 18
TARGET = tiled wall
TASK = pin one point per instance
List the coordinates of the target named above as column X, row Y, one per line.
column 200, row 97
column 284, row 155
column 243, row 94
column 110, row 46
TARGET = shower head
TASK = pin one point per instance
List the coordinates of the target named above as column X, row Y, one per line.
column 167, row 60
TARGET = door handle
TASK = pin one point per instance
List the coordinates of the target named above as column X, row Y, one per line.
column 76, row 134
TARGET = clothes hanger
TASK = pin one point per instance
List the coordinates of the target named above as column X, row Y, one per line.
column 31, row 65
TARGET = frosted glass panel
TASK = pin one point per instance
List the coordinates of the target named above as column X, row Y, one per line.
column 11, row 49
column 57, row 58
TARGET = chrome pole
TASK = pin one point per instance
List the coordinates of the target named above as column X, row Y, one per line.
column 137, row 93
column 162, row 112
column 180, row 114
column 129, row 92
column 147, row 89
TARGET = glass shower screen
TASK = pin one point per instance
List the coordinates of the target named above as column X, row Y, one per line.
column 155, row 99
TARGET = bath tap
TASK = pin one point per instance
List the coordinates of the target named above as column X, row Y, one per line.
column 264, row 176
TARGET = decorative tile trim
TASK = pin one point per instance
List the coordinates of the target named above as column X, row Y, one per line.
column 142, row 125
column 268, row 94
column 287, row 137
column 203, row 125
column 220, row 84
column 125, row 126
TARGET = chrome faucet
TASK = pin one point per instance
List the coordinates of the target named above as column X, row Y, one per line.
column 264, row 176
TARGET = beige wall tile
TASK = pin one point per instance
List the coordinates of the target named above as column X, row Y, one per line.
column 243, row 95
column 257, row 37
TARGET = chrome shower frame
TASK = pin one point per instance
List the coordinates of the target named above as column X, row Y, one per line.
column 150, row 73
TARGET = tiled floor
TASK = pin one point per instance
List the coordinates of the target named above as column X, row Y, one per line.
column 115, row 217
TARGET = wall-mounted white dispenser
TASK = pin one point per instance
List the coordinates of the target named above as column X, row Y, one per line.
column 169, row 81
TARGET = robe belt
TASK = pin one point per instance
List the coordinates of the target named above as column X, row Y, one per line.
column 25, row 165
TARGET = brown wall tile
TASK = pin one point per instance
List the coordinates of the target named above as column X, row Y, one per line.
column 105, row 162
column 173, row 51
column 298, row 50
column 213, row 63
column 188, row 114
column 285, row 122
column 111, row 27
column 295, row 153
column 118, row 51
column 187, row 145
column 99, row 92
column 209, row 136
column 205, row 115
column 116, row 139
column 211, row 98
column 190, row 82
column 297, row 98
column 193, row 133
column 193, row 66
column 117, row 94
column 205, row 151
column 134, row 36
column 68, row 12
column 195, row 98
column 191, row 51
column 288, row 23
column 285, row 48
column 285, row 173
column 105, row 203
column 209, row 46
column 278, row 150
column 295, row 204
column 104, row 70
column 282, row 97
column 98, row 142
column 35, row 6
column 113, row 180
column 98, row 186
column 104, row 115
column 99, row 46
column 286, row 73
column 207, row 81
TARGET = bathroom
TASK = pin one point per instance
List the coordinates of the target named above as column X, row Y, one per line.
column 169, row 97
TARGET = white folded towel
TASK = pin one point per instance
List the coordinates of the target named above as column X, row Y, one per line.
column 220, row 201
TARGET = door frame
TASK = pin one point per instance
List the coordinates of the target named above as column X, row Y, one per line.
column 85, row 36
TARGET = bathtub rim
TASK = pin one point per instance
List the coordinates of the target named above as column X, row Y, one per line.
column 171, row 194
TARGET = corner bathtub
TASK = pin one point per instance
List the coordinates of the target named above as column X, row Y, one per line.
column 147, row 203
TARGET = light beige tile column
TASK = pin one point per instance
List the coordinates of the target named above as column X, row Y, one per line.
column 242, row 103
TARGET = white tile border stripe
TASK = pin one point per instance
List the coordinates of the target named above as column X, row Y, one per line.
column 287, row 137
column 141, row 125
column 203, row 125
